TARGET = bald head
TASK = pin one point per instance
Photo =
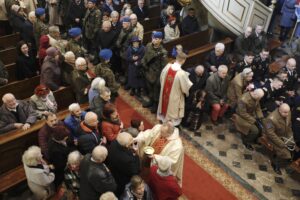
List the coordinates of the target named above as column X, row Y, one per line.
column 284, row 110
column 291, row 64
column 99, row 154
column 91, row 119
column 257, row 94
column 9, row 101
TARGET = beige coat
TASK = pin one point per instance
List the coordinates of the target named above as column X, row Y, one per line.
column 236, row 89
column 248, row 109
column 138, row 31
column 173, row 150
column 54, row 16
column 180, row 89
column 40, row 181
column 29, row 5
column 171, row 33
column 3, row 13
column 276, row 128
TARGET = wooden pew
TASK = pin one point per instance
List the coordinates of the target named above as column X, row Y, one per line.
column 11, row 69
column 8, row 56
column 154, row 11
column 197, row 56
column 12, row 146
column 151, row 24
column 21, row 89
column 8, row 41
column 189, row 42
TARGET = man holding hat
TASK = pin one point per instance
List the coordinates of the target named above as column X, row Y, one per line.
column 103, row 70
column 74, row 44
column 91, row 24
column 154, row 61
column 39, row 26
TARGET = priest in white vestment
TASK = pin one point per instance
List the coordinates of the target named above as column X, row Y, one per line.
column 175, row 85
column 165, row 140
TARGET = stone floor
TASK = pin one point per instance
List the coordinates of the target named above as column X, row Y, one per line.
column 252, row 169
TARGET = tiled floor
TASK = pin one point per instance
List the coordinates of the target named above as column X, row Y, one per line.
column 250, row 168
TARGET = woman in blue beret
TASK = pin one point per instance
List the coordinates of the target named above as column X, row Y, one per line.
column 135, row 53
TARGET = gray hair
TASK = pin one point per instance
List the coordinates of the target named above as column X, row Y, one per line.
column 98, row 83
column 222, row 68
column 7, row 96
column 73, row 107
column 220, row 46
column 53, row 29
column 247, row 72
column 99, row 153
column 124, row 139
column 32, row 156
column 114, row 14
column 80, row 61
column 169, row 125
column 108, row 196
column 104, row 90
column 74, row 158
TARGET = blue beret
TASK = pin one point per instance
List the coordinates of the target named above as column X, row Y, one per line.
column 94, row 1
column 39, row 12
column 126, row 19
column 74, row 32
column 157, row 34
column 105, row 54
column 135, row 39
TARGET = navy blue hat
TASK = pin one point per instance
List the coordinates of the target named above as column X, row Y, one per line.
column 126, row 19
column 74, row 32
column 135, row 39
column 105, row 54
column 39, row 12
column 157, row 34
column 94, row 1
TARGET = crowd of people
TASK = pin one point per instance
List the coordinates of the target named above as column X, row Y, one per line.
column 95, row 47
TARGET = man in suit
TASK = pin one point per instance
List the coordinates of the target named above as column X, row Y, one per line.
column 141, row 11
column 15, row 114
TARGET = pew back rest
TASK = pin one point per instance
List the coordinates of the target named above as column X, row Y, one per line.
column 8, row 41
column 11, row 69
column 151, row 24
column 8, row 56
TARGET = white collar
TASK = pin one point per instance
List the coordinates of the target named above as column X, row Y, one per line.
column 176, row 66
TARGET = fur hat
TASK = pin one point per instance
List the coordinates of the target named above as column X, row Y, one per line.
column 105, row 54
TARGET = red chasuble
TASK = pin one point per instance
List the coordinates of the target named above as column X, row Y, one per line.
column 167, row 90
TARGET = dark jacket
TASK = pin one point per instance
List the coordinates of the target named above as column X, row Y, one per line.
column 291, row 83
column 80, row 84
column 72, row 123
column 51, row 74
column 216, row 88
column 242, row 45
column 213, row 60
column 199, row 82
column 128, row 195
column 25, row 67
column 258, row 42
column 16, row 21
column 75, row 11
column 88, row 138
column 3, row 74
column 25, row 114
column 107, row 9
column 260, row 69
column 97, row 105
column 106, row 40
column 189, row 25
column 123, row 164
column 58, row 156
column 95, row 179
column 141, row 13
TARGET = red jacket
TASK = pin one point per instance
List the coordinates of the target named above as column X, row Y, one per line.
column 110, row 130
column 163, row 188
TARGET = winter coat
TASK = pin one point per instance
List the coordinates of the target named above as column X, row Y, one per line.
column 40, row 106
column 73, row 123
column 236, row 89
column 3, row 74
column 110, row 129
column 103, row 70
column 76, row 47
column 81, row 84
column 123, row 164
column 135, row 79
column 51, row 74
column 39, row 29
column 242, row 45
column 216, row 88
column 171, row 33
column 7, row 118
column 75, row 11
column 288, row 13
column 95, row 179
column 96, row 105
column 258, row 42
column 44, row 45
column 213, row 60
column 91, row 23
column 141, row 13
column 25, row 67
column 106, row 40
column 189, row 25
column 123, row 41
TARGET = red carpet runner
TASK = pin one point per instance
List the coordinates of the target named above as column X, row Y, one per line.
column 197, row 184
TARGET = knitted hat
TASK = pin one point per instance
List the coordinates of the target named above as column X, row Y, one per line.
column 60, row 132
column 51, row 51
column 15, row 8
column 41, row 90
column 126, row 19
column 164, row 163
column 105, row 54
column 157, row 34
column 39, row 12
column 74, row 32
column 93, row 1
column 69, row 57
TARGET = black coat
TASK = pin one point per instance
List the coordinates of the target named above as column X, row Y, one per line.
column 213, row 60
column 123, row 164
column 75, row 11
column 106, row 40
column 141, row 15
column 189, row 25
column 3, row 74
column 291, row 83
column 58, row 156
column 25, row 67
column 95, row 179
column 242, row 45
column 198, row 82
column 16, row 21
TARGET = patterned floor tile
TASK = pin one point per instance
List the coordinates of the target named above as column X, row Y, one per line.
column 234, row 146
column 236, row 164
column 222, row 153
column 263, row 168
column 247, row 157
column 279, row 180
column 251, row 176
column 267, row 188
